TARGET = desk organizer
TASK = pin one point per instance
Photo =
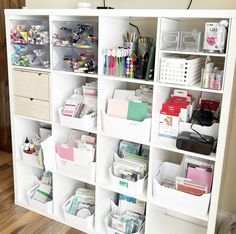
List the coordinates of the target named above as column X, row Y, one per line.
column 83, row 224
column 191, row 41
column 75, row 46
column 30, row 43
column 110, row 230
column 44, row 207
column 179, row 70
column 131, row 130
column 88, row 122
column 138, row 186
column 177, row 199
column 170, row 40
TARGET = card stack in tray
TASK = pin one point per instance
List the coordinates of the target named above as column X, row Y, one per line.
column 130, row 215
column 43, row 192
column 132, row 162
column 194, row 177
column 83, row 204
column 82, row 102
column 131, row 104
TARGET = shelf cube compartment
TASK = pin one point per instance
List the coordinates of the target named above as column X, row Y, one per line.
column 86, row 123
column 84, row 224
column 44, row 207
column 173, row 198
column 131, row 130
column 122, row 184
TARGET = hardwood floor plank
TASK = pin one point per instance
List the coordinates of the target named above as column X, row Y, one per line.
column 17, row 220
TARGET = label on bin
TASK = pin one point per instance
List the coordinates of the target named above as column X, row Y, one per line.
column 124, row 184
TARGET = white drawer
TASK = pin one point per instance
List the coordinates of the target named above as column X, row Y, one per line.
column 31, row 84
column 32, row 108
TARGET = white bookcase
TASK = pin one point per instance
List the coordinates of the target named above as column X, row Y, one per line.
column 112, row 24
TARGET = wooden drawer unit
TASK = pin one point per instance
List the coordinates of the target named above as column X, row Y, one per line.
column 31, row 84
column 32, row 108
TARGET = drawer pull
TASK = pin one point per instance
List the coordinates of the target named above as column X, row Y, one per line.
column 31, row 99
column 39, row 74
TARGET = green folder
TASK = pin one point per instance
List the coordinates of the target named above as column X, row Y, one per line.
column 137, row 111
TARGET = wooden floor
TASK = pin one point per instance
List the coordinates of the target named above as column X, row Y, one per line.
column 17, row 220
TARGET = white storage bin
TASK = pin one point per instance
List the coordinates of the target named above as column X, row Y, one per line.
column 82, row 224
column 176, row 199
column 88, row 122
column 131, row 130
column 179, row 70
column 30, row 159
column 138, row 186
column 191, row 41
column 44, row 207
column 110, row 230
column 170, row 40
column 81, row 171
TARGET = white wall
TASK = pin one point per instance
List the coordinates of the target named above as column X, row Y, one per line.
column 228, row 191
column 197, row 4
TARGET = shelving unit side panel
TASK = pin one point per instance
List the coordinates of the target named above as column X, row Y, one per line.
column 223, row 129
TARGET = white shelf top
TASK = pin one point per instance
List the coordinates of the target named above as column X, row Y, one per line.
column 192, row 53
column 195, row 87
column 31, row 69
column 125, row 13
column 170, row 207
column 123, row 138
column 94, row 130
column 74, row 177
column 170, row 145
column 106, row 185
column 28, row 164
column 74, row 73
column 33, row 119
column 129, row 80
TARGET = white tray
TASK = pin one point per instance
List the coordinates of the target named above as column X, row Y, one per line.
column 110, row 230
column 80, row 171
column 82, row 224
column 126, row 185
column 173, row 198
column 128, row 129
column 88, row 122
column 30, row 159
column 44, row 207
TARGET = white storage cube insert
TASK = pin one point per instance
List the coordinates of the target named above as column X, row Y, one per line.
column 31, row 159
column 44, row 207
column 173, row 198
column 41, row 92
column 127, row 129
column 80, row 171
column 139, row 186
column 83, row 224
column 177, row 70
column 88, row 122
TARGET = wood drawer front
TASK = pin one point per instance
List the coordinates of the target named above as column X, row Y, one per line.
column 32, row 108
column 31, row 84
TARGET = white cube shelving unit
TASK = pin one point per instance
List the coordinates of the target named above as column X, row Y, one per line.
column 112, row 24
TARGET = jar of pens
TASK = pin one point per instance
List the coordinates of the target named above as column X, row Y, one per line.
column 133, row 60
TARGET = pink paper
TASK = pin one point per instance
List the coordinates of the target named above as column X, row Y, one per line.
column 65, row 152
